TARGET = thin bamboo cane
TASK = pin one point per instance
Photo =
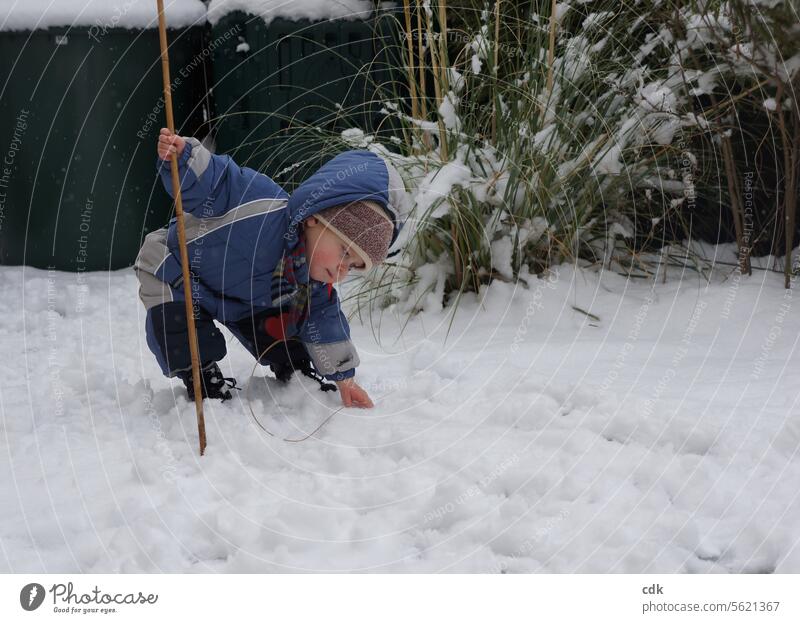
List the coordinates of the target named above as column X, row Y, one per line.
column 736, row 208
column 421, row 56
column 438, row 92
column 176, row 193
column 443, row 59
column 438, row 71
column 551, row 49
column 426, row 137
column 790, row 154
column 496, row 59
column 412, row 82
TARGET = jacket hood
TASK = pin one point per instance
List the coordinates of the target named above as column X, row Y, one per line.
column 356, row 175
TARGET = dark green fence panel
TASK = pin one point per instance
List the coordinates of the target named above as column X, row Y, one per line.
column 277, row 80
column 80, row 111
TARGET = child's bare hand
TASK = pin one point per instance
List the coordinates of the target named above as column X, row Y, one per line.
column 169, row 143
column 353, row 395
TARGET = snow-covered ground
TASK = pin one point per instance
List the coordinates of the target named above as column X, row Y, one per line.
column 662, row 436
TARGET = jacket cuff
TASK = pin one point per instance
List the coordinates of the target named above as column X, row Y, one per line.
column 333, row 358
column 341, row 376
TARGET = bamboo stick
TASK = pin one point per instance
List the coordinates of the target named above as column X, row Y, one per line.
column 176, row 193
column 412, row 81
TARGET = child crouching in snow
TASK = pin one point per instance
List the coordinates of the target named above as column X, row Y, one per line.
column 264, row 264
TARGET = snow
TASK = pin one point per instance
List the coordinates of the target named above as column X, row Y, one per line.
column 456, row 79
column 546, row 139
column 435, row 187
column 476, row 64
column 269, row 10
column 656, row 96
column 561, row 10
column 447, row 111
column 595, row 19
column 35, row 14
column 609, row 161
column 480, row 49
column 658, row 435
column 706, row 80
column 356, row 138
column 502, row 255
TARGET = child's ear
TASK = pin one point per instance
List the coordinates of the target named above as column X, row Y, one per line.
column 311, row 221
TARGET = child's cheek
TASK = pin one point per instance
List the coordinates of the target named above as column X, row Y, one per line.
column 322, row 261
column 328, row 258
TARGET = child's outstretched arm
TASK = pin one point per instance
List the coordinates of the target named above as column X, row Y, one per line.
column 326, row 336
column 210, row 183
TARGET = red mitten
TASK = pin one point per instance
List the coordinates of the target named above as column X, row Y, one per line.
column 275, row 326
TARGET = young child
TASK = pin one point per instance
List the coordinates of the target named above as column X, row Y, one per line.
column 264, row 264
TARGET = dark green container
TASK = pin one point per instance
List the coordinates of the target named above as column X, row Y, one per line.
column 80, row 111
column 275, row 81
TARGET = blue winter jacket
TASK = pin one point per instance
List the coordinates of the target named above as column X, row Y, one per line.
column 240, row 224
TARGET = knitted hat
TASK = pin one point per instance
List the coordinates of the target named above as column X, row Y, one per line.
column 363, row 225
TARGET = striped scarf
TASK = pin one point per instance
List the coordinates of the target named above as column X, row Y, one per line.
column 290, row 288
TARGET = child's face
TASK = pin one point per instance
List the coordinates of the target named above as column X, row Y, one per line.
column 329, row 257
